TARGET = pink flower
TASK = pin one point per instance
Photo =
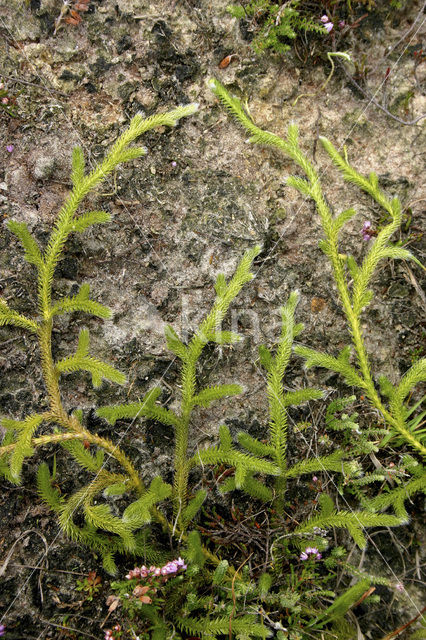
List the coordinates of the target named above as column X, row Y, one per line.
column 314, row 479
column 9, row 148
column 328, row 26
column 324, row 18
column 2, row 629
column 310, row 551
column 341, row 24
column 399, row 587
column 366, row 231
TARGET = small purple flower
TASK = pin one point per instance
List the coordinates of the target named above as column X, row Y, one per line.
column 2, row 629
column 342, row 23
column 399, row 587
column 9, row 148
column 328, row 26
column 174, row 164
column 314, row 479
column 324, row 18
column 310, row 551
column 366, row 231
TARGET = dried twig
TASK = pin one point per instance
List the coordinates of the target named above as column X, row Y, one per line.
column 372, row 100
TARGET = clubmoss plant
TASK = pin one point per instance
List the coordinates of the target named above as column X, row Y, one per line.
column 21, row 438
column 276, row 24
column 211, row 598
column 209, row 603
column 352, row 280
column 191, row 397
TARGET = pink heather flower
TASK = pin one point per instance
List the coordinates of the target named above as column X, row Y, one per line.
column 117, row 627
column 174, row 164
column 324, row 18
column 314, row 479
column 399, row 587
column 366, row 231
column 328, row 26
column 310, row 551
column 342, row 24
column 5, row 100
column 9, row 148
column 108, row 635
column 2, row 629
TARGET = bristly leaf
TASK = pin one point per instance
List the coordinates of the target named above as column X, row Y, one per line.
column 220, row 285
column 86, row 220
column 386, row 387
column 220, row 572
column 47, row 492
column 332, row 462
column 396, row 498
column 193, row 507
column 255, row 446
column 317, row 359
column 299, row 397
column 353, row 521
column 264, row 584
column 194, row 551
column 343, row 603
column 415, row 374
column 100, row 516
column 32, row 252
column 255, row 488
column 78, row 166
column 342, row 218
column 131, row 410
column 174, row 343
column 8, row 316
column 81, row 302
column 138, row 513
column 265, row 357
column 81, row 361
column 225, row 438
column 23, row 448
column 206, row 396
column 83, row 456
column 224, row 337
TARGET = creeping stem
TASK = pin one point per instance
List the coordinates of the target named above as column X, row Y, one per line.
column 352, row 315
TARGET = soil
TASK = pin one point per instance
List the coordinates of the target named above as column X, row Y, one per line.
column 181, row 215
